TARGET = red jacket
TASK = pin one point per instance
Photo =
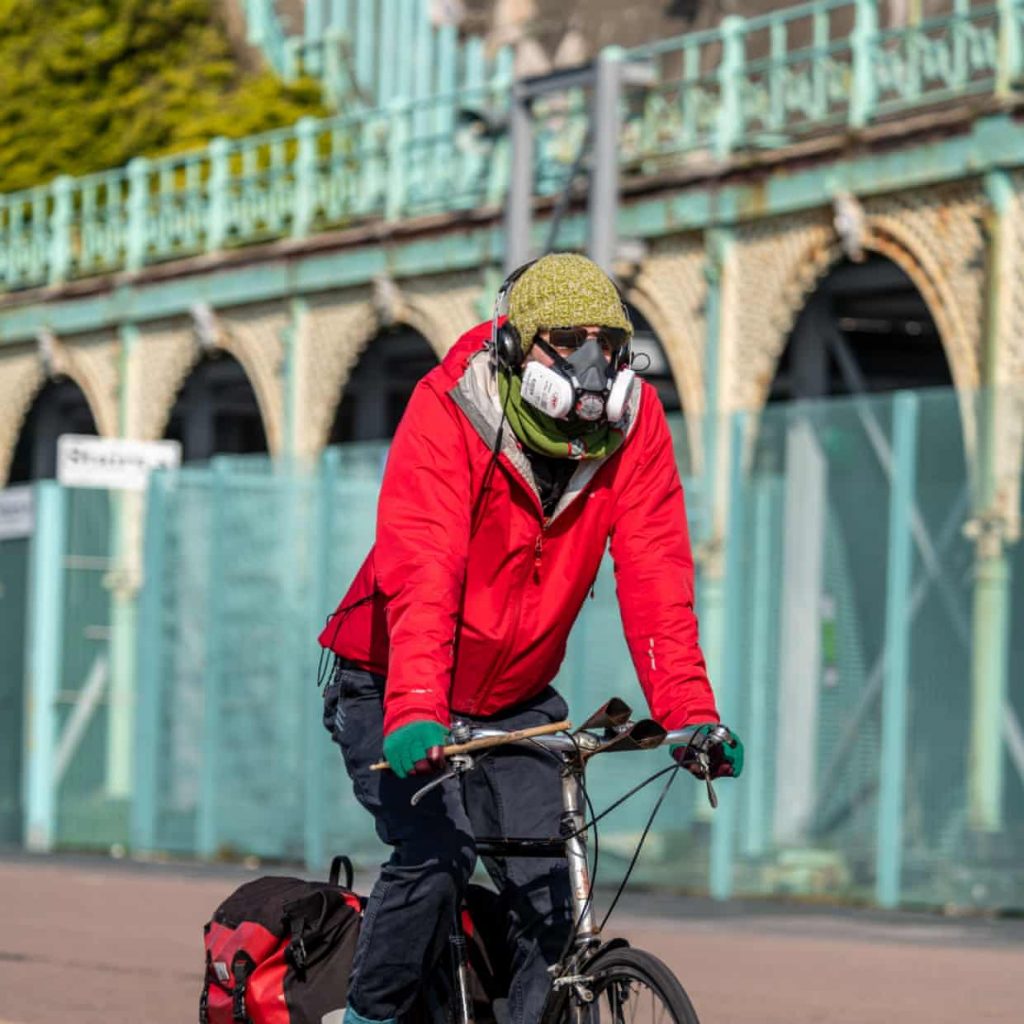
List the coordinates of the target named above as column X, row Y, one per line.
column 466, row 599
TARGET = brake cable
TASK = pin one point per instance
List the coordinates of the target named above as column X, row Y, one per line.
column 639, row 845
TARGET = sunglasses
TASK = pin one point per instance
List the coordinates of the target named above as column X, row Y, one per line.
column 571, row 338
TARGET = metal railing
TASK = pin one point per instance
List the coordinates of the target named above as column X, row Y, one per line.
column 369, row 52
column 748, row 84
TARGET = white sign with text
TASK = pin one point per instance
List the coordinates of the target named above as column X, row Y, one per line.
column 87, row 461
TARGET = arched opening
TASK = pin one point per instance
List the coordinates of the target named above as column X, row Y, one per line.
column 216, row 411
column 380, row 386
column 821, row 485
column 653, row 364
column 59, row 408
column 865, row 329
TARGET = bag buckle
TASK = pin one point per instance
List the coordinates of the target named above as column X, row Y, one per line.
column 297, row 954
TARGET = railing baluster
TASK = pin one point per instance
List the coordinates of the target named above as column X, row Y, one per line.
column 60, row 229
column 819, row 66
column 217, row 195
column 138, row 213
column 730, row 77
column 865, row 39
column 778, row 74
column 398, row 142
column 1009, row 64
column 305, row 176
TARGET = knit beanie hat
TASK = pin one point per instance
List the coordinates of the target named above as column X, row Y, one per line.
column 563, row 289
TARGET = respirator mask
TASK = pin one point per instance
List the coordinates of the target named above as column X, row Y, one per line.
column 595, row 382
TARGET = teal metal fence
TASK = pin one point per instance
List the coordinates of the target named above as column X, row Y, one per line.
column 883, row 764
column 747, row 85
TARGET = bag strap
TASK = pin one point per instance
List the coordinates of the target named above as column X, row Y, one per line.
column 339, row 862
column 308, row 934
column 241, row 967
column 204, row 998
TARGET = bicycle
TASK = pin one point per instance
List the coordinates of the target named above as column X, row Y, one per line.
column 594, row 980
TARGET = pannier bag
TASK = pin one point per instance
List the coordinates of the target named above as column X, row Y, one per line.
column 279, row 951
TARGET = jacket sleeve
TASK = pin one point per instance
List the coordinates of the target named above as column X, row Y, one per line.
column 420, row 556
column 650, row 545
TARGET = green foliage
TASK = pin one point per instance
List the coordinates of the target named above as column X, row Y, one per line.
column 88, row 84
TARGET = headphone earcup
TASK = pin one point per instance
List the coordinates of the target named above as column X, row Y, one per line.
column 507, row 348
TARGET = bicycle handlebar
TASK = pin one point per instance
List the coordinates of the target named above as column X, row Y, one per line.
column 554, row 737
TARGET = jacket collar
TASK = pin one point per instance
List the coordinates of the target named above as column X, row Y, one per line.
column 476, row 394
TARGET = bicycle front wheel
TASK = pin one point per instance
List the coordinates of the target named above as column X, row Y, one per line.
column 629, row 986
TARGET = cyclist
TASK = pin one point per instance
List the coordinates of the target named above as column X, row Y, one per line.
column 516, row 461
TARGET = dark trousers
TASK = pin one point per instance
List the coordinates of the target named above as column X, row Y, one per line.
column 514, row 791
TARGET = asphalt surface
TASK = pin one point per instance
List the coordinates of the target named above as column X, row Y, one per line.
column 96, row 941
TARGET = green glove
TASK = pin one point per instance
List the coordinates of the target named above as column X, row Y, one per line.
column 724, row 751
column 410, row 743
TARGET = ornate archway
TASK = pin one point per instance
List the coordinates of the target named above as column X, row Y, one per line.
column 380, row 383
column 89, row 361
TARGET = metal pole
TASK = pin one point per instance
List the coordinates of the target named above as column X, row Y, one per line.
column 123, row 583
column 991, row 611
column 990, row 671
column 764, row 586
column 892, row 767
column 730, row 680
column 45, row 653
column 314, row 843
column 520, row 187
column 713, row 468
column 603, row 201
column 150, row 662
column 210, row 783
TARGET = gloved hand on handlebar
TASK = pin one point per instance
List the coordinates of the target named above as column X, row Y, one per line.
column 410, row 744
column 722, row 748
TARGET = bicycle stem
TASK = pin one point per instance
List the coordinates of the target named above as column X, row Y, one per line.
column 573, row 821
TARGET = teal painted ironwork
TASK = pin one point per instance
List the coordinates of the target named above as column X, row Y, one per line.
column 895, row 734
column 45, row 655
column 245, row 559
column 730, row 692
column 364, row 53
column 748, row 84
column 214, row 679
column 323, row 592
column 765, row 500
column 150, row 661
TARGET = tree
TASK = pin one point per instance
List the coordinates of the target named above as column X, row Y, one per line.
column 89, row 84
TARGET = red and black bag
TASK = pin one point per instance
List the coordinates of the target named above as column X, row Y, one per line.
column 279, row 951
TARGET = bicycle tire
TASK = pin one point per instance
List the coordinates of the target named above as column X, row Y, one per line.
column 611, row 970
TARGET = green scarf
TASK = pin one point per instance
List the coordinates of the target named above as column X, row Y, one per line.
column 566, row 439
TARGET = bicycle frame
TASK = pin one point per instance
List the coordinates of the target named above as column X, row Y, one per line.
column 572, row 844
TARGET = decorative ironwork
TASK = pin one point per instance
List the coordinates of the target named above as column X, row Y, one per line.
column 760, row 82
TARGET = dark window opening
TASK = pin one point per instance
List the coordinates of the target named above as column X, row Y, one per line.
column 59, row 408
column 865, row 329
column 651, row 363
column 216, row 412
column 380, row 386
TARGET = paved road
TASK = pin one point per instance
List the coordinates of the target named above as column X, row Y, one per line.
column 102, row 942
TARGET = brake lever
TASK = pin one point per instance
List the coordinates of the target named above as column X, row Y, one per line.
column 459, row 763
column 705, row 764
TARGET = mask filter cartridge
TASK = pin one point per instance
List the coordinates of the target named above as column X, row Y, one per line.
column 547, row 390
column 618, row 397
